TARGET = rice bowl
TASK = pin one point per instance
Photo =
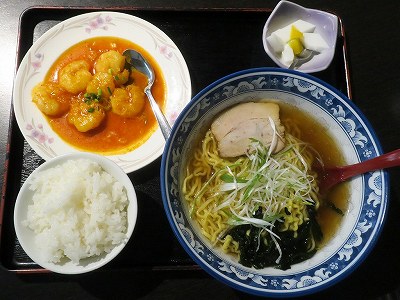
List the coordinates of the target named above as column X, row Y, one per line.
column 75, row 213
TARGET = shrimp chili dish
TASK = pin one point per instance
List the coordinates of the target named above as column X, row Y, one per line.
column 94, row 102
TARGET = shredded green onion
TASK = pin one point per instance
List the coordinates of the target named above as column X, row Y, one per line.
column 269, row 182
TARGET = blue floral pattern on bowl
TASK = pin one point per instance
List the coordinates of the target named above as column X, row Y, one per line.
column 362, row 226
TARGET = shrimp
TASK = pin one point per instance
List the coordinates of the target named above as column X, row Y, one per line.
column 75, row 76
column 86, row 116
column 113, row 63
column 110, row 60
column 122, row 77
column 128, row 102
column 102, row 84
column 50, row 98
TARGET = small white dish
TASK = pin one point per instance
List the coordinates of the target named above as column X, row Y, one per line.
column 26, row 236
column 287, row 12
column 43, row 53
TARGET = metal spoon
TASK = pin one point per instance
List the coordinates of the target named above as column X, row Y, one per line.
column 136, row 60
column 304, row 56
column 332, row 176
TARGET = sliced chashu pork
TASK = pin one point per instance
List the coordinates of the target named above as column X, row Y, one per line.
column 235, row 128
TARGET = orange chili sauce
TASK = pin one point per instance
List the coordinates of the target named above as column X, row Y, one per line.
column 116, row 134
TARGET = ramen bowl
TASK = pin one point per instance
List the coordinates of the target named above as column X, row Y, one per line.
column 83, row 223
column 362, row 220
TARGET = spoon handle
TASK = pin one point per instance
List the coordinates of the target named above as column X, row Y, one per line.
column 162, row 121
column 388, row 160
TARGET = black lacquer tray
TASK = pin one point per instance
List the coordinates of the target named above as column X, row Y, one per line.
column 214, row 43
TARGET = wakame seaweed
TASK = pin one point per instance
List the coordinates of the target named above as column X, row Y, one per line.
column 258, row 250
column 337, row 210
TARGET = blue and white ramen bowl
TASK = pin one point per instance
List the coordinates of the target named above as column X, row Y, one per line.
column 367, row 206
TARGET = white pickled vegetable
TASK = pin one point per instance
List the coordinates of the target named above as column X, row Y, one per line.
column 290, row 40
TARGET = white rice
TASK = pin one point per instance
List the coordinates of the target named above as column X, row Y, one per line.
column 78, row 211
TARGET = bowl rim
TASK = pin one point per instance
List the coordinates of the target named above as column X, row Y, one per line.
column 132, row 211
column 171, row 218
column 310, row 12
column 142, row 32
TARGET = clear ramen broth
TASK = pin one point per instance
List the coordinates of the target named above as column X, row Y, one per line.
column 116, row 134
column 313, row 133
column 328, row 214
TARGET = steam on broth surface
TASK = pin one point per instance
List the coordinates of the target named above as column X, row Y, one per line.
column 264, row 207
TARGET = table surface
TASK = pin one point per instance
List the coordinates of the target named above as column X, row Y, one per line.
column 373, row 45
